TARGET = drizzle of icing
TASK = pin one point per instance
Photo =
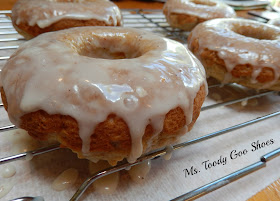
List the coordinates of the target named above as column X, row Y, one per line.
column 107, row 184
column 8, row 171
column 241, row 42
column 206, row 9
column 169, row 151
column 5, row 188
column 65, row 180
column 29, row 157
column 57, row 79
column 138, row 172
column 46, row 12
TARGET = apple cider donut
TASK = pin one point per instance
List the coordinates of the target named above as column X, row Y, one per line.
column 240, row 51
column 33, row 17
column 105, row 92
column 186, row 14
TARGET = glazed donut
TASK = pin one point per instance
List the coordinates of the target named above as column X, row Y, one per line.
column 106, row 93
column 186, row 14
column 33, row 17
column 240, row 51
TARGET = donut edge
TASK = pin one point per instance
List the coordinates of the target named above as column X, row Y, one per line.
column 241, row 74
column 117, row 144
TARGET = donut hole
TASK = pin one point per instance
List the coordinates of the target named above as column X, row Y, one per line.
column 203, row 2
column 255, row 32
column 106, row 50
column 104, row 53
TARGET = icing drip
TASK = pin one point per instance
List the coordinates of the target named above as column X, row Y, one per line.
column 204, row 9
column 169, row 151
column 107, row 184
column 139, row 172
column 241, row 42
column 8, row 171
column 65, row 180
column 46, row 12
column 68, row 78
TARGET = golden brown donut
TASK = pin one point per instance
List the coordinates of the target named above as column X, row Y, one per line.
column 240, row 51
column 186, row 14
column 106, row 93
column 33, row 17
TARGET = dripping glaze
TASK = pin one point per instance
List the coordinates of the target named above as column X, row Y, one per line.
column 65, row 180
column 156, row 75
column 107, row 184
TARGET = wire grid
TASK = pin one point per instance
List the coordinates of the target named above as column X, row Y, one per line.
column 151, row 20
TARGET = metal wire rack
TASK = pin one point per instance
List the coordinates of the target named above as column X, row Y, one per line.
column 153, row 20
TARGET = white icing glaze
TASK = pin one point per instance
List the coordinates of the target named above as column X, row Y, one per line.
column 107, row 184
column 59, row 77
column 5, row 188
column 169, row 151
column 138, row 172
column 205, row 9
column 8, row 171
column 65, row 180
column 275, row 22
column 29, row 157
column 237, row 42
column 46, row 12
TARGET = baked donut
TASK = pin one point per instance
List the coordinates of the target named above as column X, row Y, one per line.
column 240, row 51
column 105, row 92
column 33, row 17
column 186, row 14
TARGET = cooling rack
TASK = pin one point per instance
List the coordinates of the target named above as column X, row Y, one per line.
column 231, row 113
